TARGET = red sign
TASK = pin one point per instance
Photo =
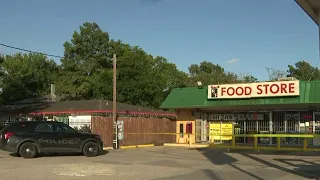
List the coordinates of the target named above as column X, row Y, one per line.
column 307, row 116
column 263, row 89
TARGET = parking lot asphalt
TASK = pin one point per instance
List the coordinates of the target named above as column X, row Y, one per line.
column 164, row 163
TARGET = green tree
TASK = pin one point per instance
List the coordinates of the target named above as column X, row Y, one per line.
column 86, row 71
column 246, row 78
column 87, row 61
column 166, row 77
column 302, row 70
column 26, row 76
column 209, row 73
column 250, row 79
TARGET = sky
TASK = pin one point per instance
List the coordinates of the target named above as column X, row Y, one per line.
column 243, row 36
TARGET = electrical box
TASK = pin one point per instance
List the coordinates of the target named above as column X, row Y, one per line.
column 120, row 130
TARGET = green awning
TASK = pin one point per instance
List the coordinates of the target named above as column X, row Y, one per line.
column 194, row 97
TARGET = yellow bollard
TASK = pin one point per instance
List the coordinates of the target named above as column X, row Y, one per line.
column 255, row 142
column 305, row 144
column 278, row 143
column 189, row 135
column 233, row 142
column 212, row 141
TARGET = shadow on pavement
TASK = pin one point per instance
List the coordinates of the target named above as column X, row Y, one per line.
column 219, row 157
column 294, row 171
column 246, row 172
column 202, row 174
column 301, row 167
column 169, row 154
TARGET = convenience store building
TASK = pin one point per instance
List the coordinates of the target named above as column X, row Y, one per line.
column 264, row 107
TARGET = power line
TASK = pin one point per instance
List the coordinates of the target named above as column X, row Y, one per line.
column 26, row 50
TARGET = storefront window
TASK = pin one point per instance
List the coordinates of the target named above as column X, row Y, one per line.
column 306, row 121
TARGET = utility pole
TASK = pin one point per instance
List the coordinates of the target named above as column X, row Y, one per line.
column 114, row 111
column 114, row 106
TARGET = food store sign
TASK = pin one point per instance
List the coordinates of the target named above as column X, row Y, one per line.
column 254, row 90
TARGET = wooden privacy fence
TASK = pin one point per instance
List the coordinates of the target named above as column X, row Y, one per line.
column 134, row 127
column 104, row 127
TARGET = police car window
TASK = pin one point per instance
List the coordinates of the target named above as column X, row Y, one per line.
column 44, row 128
column 16, row 127
column 62, row 128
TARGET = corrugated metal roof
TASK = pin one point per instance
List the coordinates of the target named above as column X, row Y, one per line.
column 195, row 97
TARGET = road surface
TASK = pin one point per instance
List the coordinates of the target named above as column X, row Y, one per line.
column 164, row 163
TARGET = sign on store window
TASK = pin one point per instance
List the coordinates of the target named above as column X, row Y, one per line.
column 233, row 117
column 221, row 117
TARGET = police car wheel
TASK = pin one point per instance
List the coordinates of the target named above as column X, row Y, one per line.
column 91, row 149
column 28, row 150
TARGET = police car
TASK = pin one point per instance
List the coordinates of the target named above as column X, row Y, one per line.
column 29, row 139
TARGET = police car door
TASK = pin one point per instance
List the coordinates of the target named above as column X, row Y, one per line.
column 67, row 137
column 45, row 136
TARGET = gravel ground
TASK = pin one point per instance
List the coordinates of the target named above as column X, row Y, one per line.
column 164, row 163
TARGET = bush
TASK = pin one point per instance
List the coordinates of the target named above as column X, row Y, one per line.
column 84, row 128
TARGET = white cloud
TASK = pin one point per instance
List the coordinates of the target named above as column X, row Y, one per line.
column 233, row 61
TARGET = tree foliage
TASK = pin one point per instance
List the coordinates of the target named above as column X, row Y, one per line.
column 302, row 70
column 26, row 76
column 86, row 72
column 86, row 62
column 209, row 73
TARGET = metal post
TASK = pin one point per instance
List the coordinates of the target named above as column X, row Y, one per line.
column 233, row 141
column 278, row 143
column 299, row 129
column 305, row 144
column 220, row 132
column 313, row 126
column 114, row 106
column 270, row 127
column 245, row 131
column 255, row 142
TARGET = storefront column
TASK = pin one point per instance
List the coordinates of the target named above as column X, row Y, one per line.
column 204, row 132
column 299, row 129
column 285, row 122
column 313, row 126
column 245, row 130
column 221, row 132
column 270, row 126
column 314, row 122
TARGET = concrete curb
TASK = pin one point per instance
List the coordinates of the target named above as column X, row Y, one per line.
column 129, row 147
column 137, row 146
column 107, row 148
